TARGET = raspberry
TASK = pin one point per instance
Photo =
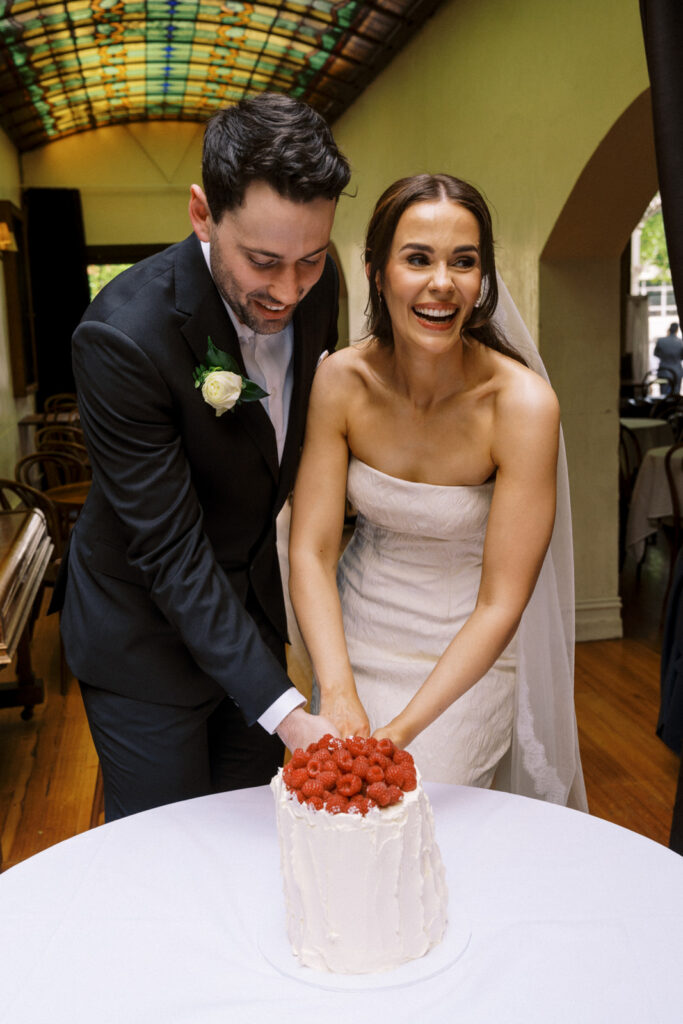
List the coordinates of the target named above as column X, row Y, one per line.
column 312, row 787
column 379, row 792
column 394, row 774
column 295, row 778
column 403, row 757
column 323, row 744
column 381, row 759
column 359, row 805
column 349, row 785
column 386, row 747
column 336, row 804
column 316, row 802
column 328, row 779
column 299, row 758
column 343, row 758
column 395, row 794
column 360, row 766
column 374, row 774
column 409, row 781
column 355, row 745
column 319, row 756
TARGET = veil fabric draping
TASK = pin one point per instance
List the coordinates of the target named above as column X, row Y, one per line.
column 544, row 760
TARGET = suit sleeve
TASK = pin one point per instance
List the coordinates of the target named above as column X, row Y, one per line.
column 129, row 421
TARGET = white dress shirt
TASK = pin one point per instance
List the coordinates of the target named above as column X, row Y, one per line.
column 268, row 362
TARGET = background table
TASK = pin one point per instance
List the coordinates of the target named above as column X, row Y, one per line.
column 156, row 919
column 651, row 498
column 649, row 433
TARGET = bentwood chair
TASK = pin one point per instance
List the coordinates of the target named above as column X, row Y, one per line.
column 64, row 476
column 58, row 433
column 47, row 468
column 66, row 448
column 665, row 378
column 65, row 401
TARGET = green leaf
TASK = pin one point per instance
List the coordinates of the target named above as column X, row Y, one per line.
column 251, row 392
column 217, row 359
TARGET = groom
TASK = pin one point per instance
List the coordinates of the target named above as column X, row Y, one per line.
column 173, row 616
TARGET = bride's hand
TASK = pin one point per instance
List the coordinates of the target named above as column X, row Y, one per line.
column 394, row 732
column 347, row 713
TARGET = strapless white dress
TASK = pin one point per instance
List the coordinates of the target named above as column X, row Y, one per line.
column 408, row 580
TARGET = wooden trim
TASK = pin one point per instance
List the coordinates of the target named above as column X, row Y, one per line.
column 122, row 253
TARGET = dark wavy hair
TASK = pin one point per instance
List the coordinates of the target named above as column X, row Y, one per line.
column 391, row 205
column 273, row 138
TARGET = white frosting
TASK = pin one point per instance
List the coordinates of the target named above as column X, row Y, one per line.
column 362, row 894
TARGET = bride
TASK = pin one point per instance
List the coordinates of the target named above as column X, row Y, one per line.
column 443, row 431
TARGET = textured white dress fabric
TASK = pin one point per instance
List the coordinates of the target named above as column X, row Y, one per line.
column 407, row 581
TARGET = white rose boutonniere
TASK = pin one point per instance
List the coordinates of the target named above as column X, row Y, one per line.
column 223, row 387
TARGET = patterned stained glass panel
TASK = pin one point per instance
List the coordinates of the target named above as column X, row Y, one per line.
column 70, row 67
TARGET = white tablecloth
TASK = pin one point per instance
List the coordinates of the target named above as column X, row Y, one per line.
column 651, row 498
column 649, row 433
column 157, row 919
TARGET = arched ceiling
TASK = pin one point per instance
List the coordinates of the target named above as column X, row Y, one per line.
column 71, row 67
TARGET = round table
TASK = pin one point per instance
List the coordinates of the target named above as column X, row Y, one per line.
column 70, row 496
column 160, row 918
column 650, row 433
column 651, row 497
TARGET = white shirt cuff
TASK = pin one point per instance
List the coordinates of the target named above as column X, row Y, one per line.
column 286, row 702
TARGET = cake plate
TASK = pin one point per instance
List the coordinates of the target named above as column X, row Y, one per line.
column 274, row 945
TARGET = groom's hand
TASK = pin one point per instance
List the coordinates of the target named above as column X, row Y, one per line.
column 298, row 729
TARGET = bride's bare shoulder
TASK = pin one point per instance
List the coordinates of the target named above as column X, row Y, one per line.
column 347, row 370
column 524, row 393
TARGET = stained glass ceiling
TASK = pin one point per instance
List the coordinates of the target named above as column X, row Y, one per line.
column 71, row 67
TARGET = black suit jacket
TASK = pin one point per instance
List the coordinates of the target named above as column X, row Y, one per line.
column 178, row 532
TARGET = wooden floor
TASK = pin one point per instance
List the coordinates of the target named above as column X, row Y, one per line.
column 48, row 765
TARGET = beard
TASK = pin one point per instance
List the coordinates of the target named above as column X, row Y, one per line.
column 243, row 305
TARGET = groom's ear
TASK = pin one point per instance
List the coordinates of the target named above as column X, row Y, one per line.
column 200, row 215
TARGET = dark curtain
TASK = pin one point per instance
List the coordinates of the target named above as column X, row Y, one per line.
column 662, row 22
column 59, row 281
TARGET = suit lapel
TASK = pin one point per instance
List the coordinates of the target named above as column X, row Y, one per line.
column 304, row 356
column 198, row 298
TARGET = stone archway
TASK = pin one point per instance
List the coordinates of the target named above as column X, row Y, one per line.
column 579, row 334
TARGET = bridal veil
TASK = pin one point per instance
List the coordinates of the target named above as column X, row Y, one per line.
column 544, row 760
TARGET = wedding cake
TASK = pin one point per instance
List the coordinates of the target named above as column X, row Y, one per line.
column 364, row 883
